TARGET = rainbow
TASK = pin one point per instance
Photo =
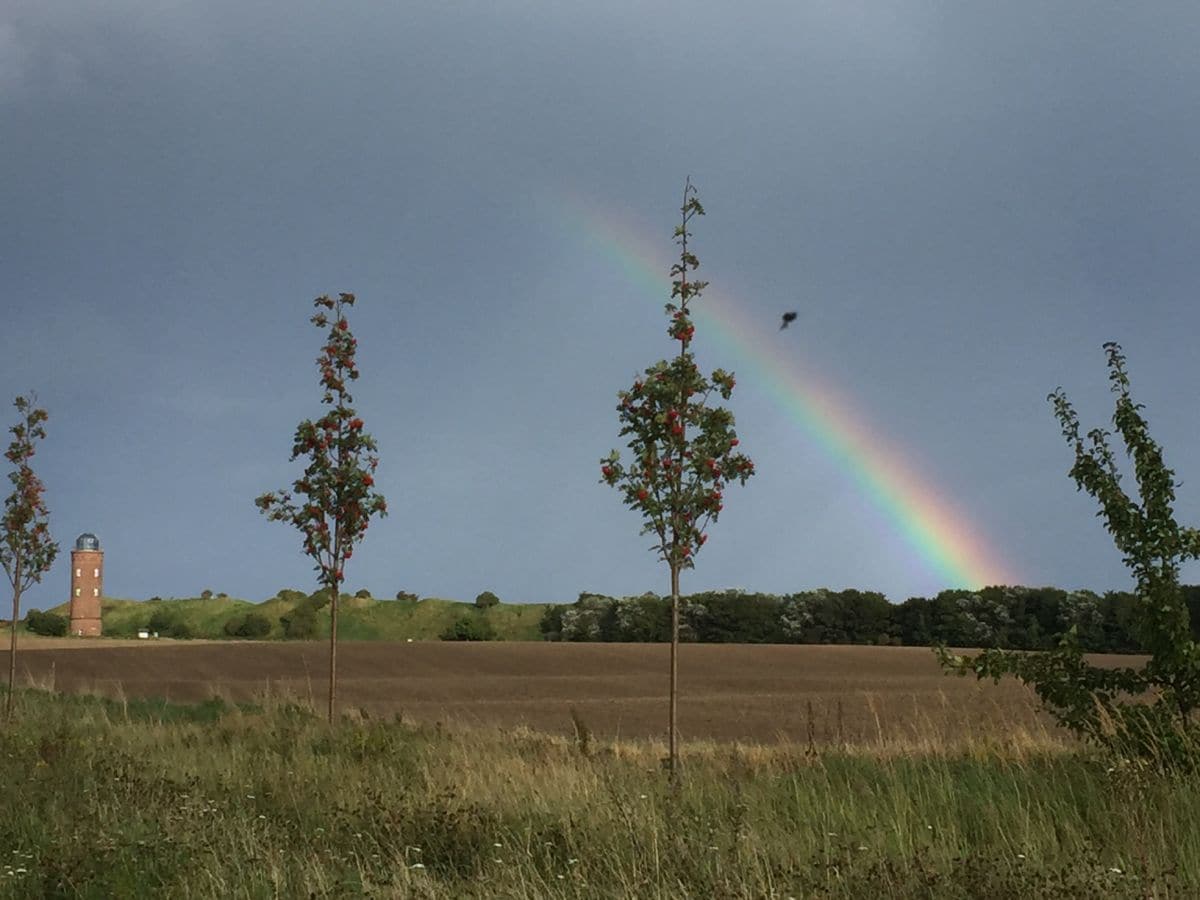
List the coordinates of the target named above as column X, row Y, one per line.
column 944, row 539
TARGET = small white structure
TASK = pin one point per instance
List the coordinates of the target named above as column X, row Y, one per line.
column 144, row 633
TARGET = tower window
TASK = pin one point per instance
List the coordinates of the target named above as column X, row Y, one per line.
column 77, row 592
column 95, row 592
column 95, row 573
column 78, row 573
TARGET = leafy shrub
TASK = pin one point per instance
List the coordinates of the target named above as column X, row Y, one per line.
column 121, row 629
column 407, row 596
column 363, row 594
column 290, row 595
column 248, row 625
column 257, row 625
column 319, row 598
column 222, row 595
column 46, row 623
column 551, row 623
column 1101, row 703
column 168, row 623
column 470, row 628
column 486, row 600
column 205, row 594
column 300, row 624
column 162, row 621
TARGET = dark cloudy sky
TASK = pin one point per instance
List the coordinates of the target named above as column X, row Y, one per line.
column 962, row 204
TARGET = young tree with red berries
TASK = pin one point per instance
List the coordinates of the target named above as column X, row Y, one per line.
column 26, row 550
column 332, row 502
column 684, row 450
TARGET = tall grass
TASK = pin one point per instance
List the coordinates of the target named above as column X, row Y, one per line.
column 143, row 798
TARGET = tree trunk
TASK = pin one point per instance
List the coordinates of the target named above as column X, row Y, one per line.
column 673, row 730
column 333, row 603
column 12, row 647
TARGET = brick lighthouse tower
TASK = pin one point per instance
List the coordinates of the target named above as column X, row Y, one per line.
column 87, row 584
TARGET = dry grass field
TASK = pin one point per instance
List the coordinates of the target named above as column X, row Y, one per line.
column 939, row 786
column 881, row 697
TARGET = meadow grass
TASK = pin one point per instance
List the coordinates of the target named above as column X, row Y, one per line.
column 144, row 798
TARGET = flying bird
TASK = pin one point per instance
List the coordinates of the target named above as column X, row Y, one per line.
column 788, row 319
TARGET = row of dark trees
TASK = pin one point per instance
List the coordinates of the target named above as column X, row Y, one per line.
column 1017, row 618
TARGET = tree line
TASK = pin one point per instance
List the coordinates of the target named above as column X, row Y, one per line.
column 1008, row 618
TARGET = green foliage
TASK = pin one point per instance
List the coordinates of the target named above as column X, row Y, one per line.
column 206, row 594
column 319, row 598
column 47, row 624
column 1099, row 703
column 257, row 625
column 171, row 623
column 407, row 597
column 248, row 625
column 486, row 600
column 550, row 624
column 290, row 595
column 362, row 594
column 300, row 622
column 162, row 620
column 683, row 449
column 337, row 481
column 471, row 627
column 26, row 550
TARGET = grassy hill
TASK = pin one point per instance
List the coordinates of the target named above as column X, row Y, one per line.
column 359, row 618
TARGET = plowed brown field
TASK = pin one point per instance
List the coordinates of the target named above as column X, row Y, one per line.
column 760, row 693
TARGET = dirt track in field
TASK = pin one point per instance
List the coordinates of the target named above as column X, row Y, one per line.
column 757, row 693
